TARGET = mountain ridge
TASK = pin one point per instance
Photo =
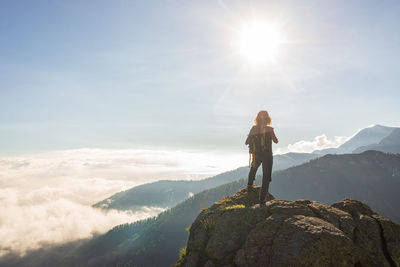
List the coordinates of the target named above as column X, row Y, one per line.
column 372, row 177
column 391, row 143
column 168, row 193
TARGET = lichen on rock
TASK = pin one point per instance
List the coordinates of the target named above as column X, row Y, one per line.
column 238, row 232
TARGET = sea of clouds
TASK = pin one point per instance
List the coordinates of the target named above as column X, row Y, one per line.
column 46, row 198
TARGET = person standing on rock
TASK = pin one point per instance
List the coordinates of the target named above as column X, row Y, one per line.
column 260, row 140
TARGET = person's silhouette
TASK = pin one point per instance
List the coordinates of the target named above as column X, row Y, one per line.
column 260, row 140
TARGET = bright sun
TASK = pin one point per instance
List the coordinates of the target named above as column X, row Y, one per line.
column 259, row 42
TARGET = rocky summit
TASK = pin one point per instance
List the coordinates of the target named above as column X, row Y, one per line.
column 237, row 231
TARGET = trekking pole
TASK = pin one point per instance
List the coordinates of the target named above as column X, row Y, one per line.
column 249, row 160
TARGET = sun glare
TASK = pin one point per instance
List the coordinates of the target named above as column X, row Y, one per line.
column 259, row 42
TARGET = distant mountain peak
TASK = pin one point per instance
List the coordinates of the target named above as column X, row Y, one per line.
column 377, row 126
column 390, row 143
column 370, row 135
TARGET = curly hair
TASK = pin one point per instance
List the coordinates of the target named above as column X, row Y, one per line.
column 262, row 118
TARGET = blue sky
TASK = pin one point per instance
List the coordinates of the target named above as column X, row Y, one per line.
column 163, row 74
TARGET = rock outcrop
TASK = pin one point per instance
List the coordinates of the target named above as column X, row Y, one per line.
column 238, row 232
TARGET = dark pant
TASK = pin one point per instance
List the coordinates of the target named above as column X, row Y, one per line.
column 266, row 159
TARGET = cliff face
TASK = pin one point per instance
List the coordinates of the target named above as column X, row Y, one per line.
column 237, row 232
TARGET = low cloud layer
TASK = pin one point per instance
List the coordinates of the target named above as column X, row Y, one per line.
column 41, row 217
column 46, row 198
column 319, row 142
